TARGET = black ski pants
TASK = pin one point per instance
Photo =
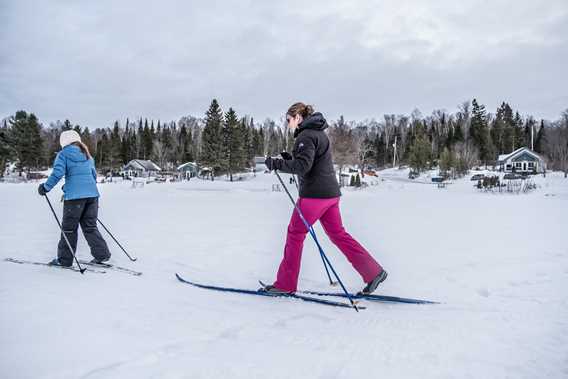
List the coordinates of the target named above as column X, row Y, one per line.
column 82, row 212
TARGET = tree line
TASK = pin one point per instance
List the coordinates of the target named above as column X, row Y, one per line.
column 225, row 143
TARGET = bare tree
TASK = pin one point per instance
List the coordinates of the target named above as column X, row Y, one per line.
column 343, row 144
column 558, row 144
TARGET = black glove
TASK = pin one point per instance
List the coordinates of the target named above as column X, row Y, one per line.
column 273, row 164
column 41, row 190
column 286, row 156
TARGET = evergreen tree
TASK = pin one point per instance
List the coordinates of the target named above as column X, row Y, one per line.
column 504, row 136
column 5, row 149
column 212, row 139
column 88, row 140
column 234, row 153
column 185, row 146
column 447, row 161
column 479, row 131
column 67, row 126
column 420, row 151
column 102, row 157
column 540, row 140
column 458, row 134
column 115, row 160
column 517, row 132
column 125, row 145
column 147, row 141
column 26, row 139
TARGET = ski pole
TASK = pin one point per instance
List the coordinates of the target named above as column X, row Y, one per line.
column 313, row 234
column 81, row 270
column 115, row 240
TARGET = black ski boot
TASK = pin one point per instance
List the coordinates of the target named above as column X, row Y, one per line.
column 270, row 289
column 96, row 261
column 373, row 284
column 55, row 262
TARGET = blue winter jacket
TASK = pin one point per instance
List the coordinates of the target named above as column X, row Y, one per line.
column 79, row 171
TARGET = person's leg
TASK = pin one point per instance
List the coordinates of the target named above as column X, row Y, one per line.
column 359, row 258
column 312, row 209
column 72, row 211
column 99, row 248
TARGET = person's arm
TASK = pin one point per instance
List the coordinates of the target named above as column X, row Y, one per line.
column 58, row 172
column 303, row 159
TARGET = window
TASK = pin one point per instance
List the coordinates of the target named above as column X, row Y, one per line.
column 518, row 165
column 508, row 167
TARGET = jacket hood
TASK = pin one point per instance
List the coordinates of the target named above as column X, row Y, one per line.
column 315, row 121
column 74, row 153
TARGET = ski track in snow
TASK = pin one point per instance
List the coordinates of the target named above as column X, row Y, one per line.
column 498, row 263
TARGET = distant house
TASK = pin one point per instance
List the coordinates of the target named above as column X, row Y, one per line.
column 141, row 168
column 188, row 170
column 522, row 160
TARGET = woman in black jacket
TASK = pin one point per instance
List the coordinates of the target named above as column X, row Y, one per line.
column 319, row 200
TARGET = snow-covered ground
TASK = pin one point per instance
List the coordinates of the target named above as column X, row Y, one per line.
column 497, row 262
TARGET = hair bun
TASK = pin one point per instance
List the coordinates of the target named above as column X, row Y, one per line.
column 308, row 110
column 301, row 109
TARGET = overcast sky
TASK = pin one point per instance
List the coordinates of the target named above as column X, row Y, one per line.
column 96, row 61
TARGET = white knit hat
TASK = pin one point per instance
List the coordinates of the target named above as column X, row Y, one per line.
column 68, row 137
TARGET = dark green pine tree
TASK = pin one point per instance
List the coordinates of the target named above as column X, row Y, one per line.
column 67, row 125
column 420, row 150
column 87, row 139
column 147, row 141
column 167, row 140
column 497, row 131
column 234, row 153
column 102, row 157
column 517, row 131
column 26, row 138
column 125, row 145
column 6, row 150
column 479, row 131
column 115, row 159
column 506, row 142
column 458, row 134
column 540, row 140
column 450, row 138
column 185, row 146
column 212, row 139
column 378, row 147
column 140, row 141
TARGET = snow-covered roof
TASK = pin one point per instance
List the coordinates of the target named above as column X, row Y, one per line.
column 187, row 164
column 505, row 157
column 145, row 165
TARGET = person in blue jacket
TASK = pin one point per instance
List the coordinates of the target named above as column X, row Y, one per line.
column 81, row 199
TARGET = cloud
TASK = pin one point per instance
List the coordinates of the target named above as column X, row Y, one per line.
column 94, row 62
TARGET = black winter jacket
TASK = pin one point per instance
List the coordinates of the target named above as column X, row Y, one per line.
column 312, row 161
